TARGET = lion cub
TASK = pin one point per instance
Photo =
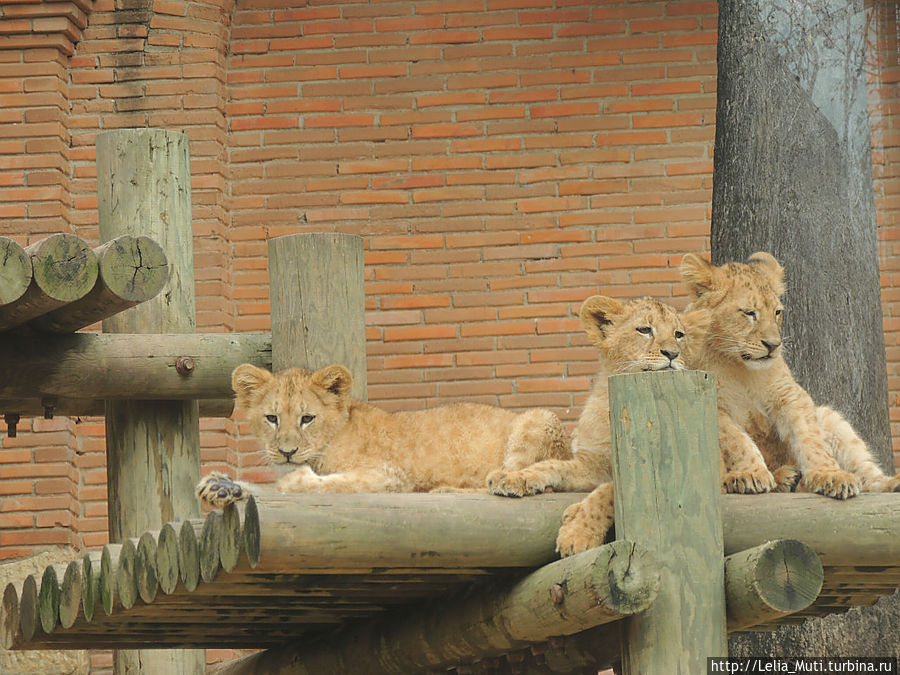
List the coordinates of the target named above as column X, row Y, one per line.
column 634, row 336
column 343, row 445
column 765, row 417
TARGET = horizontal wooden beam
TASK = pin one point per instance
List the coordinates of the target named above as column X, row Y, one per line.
column 109, row 366
column 861, row 531
column 51, row 406
column 475, row 530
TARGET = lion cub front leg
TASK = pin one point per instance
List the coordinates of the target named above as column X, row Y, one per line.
column 305, row 479
column 586, row 523
column 746, row 471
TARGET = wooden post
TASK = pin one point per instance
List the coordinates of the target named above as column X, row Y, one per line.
column 666, row 473
column 153, row 447
column 318, row 304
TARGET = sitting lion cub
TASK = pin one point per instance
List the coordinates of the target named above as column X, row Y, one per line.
column 344, row 445
column 765, row 417
column 640, row 335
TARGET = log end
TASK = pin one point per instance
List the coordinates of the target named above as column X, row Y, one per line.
column 251, row 536
column 48, row 600
column 209, row 546
column 145, row 572
column 230, row 539
column 9, row 617
column 167, row 558
column 28, row 608
column 65, row 268
column 789, row 575
column 70, row 594
column 626, row 577
column 134, row 268
column 126, row 581
column 15, row 271
column 188, row 556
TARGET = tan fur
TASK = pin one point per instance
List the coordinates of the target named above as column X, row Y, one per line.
column 344, row 445
column 765, row 418
column 638, row 335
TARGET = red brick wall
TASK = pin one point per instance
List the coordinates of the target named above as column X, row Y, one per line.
column 504, row 159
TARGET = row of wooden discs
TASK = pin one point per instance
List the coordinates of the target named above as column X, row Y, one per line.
column 179, row 555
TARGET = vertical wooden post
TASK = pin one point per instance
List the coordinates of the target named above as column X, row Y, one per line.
column 153, row 447
column 318, row 303
column 666, row 473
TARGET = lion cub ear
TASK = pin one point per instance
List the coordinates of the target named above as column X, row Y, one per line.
column 335, row 379
column 699, row 276
column 696, row 324
column 770, row 268
column 598, row 313
column 248, row 379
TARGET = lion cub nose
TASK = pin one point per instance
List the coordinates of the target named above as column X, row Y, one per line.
column 288, row 453
column 771, row 346
column 670, row 354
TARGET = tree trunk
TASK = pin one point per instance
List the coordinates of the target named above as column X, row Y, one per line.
column 793, row 176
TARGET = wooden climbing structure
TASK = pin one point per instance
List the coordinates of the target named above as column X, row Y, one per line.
column 333, row 584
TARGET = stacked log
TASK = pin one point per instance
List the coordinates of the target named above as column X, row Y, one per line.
column 59, row 284
column 287, row 566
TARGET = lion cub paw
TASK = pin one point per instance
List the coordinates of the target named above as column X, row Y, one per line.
column 512, row 484
column 580, row 531
column 786, row 478
column 893, row 485
column 753, row 482
column 219, row 490
column 836, row 484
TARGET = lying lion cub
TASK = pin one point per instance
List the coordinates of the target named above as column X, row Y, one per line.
column 344, row 445
column 765, row 417
column 640, row 335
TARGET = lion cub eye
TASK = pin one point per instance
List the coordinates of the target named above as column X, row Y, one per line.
column 306, row 419
column 645, row 330
column 272, row 419
column 678, row 335
column 749, row 313
column 778, row 312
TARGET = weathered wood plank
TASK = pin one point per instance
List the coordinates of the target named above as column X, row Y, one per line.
column 131, row 270
column 666, row 472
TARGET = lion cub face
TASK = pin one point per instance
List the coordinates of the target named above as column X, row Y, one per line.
column 294, row 413
column 637, row 335
column 744, row 302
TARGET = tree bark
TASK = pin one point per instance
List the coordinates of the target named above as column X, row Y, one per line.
column 793, row 176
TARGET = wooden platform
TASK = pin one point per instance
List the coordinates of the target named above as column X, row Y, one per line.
column 309, row 565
